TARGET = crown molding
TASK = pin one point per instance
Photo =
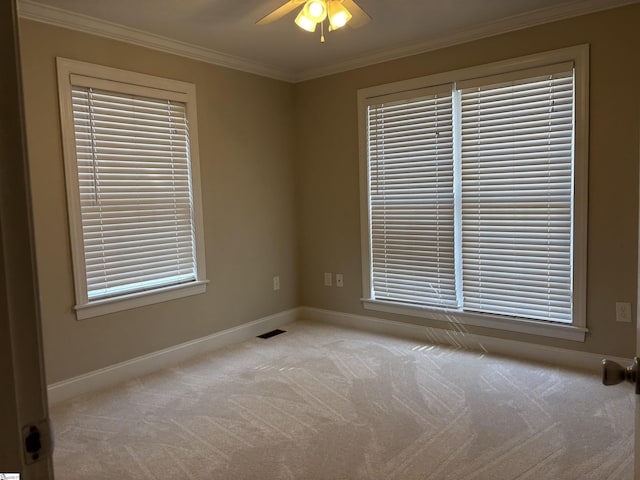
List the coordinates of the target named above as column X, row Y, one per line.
column 30, row 10
column 489, row 29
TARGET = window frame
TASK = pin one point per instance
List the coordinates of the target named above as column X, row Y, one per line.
column 577, row 329
column 130, row 81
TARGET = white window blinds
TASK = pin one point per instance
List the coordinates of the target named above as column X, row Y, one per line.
column 517, row 184
column 134, row 178
column 471, row 195
column 411, row 199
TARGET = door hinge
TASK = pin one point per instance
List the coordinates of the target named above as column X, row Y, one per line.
column 37, row 441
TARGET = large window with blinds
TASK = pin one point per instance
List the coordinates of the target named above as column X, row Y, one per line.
column 131, row 164
column 474, row 195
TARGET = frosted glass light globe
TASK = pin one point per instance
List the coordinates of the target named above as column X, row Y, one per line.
column 316, row 9
column 339, row 19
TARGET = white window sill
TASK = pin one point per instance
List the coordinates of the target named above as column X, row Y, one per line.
column 534, row 327
column 135, row 300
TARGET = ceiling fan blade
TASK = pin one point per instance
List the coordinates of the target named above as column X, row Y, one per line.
column 280, row 12
column 360, row 17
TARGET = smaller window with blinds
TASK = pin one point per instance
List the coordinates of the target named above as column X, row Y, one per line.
column 131, row 166
column 474, row 195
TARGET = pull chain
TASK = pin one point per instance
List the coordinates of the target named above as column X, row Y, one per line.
column 321, row 32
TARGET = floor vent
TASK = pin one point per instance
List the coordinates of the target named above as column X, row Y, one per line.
column 272, row 333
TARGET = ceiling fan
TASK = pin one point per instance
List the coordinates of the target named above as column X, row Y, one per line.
column 337, row 12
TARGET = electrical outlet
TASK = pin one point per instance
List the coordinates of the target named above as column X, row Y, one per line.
column 276, row 283
column 339, row 280
column 327, row 279
column 623, row 312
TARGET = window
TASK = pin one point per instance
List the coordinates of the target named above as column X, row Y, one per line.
column 131, row 165
column 474, row 195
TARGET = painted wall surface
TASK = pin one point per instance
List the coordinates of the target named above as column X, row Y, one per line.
column 328, row 179
column 280, row 187
column 245, row 127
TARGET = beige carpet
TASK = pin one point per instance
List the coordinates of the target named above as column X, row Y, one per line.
column 320, row 402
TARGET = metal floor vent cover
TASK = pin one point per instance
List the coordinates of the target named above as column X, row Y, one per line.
column 272, row 333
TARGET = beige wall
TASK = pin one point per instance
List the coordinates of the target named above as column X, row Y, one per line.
column 327, row 168
column 279, row 204
column 246, row 156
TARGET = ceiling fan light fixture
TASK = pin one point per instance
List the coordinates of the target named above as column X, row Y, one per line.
column 338, row 15
column 305, row 22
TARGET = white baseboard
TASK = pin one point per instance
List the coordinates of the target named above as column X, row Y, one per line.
column 113, row 374
column 463, row 340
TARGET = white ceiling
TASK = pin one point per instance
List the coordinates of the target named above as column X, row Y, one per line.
column 224, row 31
